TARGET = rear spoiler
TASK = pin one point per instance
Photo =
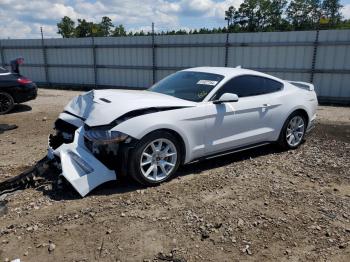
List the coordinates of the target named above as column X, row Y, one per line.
column 304, row 85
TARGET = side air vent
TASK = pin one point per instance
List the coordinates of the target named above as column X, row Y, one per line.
column 105, row 100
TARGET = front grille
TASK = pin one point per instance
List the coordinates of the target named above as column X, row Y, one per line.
column 55, row 141
column 65, row 131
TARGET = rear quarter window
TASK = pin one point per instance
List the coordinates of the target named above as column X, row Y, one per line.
column 271, row 86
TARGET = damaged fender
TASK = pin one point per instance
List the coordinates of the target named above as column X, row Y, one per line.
column 81, row 168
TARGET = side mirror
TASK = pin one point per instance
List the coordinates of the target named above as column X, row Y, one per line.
column 226, row 98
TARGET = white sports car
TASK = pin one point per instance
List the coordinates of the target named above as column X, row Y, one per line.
column 190, row 115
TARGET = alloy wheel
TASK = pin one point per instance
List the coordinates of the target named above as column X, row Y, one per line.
column 158, row 159
column 295, row 131
column 5, row 103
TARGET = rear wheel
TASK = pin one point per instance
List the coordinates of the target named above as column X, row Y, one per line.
column 155, row 158
column 6, row 103
column 293, row 131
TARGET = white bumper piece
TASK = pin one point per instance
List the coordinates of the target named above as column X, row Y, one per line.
column 80, row 167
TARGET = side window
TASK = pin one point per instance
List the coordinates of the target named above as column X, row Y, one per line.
column 232, row 86
column 271, row 86
column 244, row 86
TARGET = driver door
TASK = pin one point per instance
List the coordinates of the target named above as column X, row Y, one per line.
column 242, row 123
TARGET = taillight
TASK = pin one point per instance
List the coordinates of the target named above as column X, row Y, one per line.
column 24, row 81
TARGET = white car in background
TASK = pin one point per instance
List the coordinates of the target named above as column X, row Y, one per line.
column 190, row 115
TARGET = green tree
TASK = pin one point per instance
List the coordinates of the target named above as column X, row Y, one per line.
column 119, row 31
column 275, row 15
column 304, row 14
column 105, row 28
column 84, row 28
column 181, row 32
column 66, row 27
column 315, row 12
column 230, row 15
column 141, row 33
column 331, row 10
column 95, row 30
column 253, row 15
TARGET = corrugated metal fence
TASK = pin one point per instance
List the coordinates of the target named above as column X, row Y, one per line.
column 136, row 62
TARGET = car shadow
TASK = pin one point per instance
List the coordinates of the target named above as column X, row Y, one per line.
column 19, row 108
column 124, row 185
column 231, row 158
column 6, row 127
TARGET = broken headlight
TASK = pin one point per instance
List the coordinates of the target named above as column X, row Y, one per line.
column 105, row 137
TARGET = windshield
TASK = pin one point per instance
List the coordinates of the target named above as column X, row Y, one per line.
column 188, row 85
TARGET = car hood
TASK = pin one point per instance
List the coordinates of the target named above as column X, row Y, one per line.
column 101, row 107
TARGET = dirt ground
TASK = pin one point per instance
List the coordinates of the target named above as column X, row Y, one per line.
column 260, row 205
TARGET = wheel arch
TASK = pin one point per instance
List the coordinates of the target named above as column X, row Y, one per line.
column 179, row 138
column 303, row 112
column 281, row 138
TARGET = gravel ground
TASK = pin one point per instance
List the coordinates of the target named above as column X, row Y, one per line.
column 259, row 205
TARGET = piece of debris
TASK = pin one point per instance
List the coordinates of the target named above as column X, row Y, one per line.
column 343, row 245
column 3, row 208
column 170, row 257
column 51, row 247
column 205, row 234
column 247, row 250
column 240, row 222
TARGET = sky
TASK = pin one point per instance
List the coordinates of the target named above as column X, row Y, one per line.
column 23, row 18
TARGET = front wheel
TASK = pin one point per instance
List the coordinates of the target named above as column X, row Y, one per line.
column 155, row 158
column 6, row 103
column 293, row 131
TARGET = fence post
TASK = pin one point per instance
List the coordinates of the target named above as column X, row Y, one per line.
column 226, row 48
column 314, row 55
column 45, row 58
column 153, row 56
column 94, row 61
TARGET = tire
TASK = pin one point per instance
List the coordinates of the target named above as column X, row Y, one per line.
column 293, row 131
column 160, row 149
column 6, row 103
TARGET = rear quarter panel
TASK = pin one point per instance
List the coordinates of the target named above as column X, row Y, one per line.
column 295, row 98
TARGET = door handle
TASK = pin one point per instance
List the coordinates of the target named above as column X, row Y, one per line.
column 266, row 105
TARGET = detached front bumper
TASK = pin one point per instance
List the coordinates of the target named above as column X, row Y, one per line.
column 79, row 166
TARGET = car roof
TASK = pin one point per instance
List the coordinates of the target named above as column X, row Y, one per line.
column 229, row 72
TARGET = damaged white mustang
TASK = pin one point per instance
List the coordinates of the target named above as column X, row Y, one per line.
column 190, row 115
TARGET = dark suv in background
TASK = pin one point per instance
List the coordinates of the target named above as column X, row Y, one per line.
column 14, row 89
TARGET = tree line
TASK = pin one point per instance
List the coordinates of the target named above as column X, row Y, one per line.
column 279, row 15
column 250, row 16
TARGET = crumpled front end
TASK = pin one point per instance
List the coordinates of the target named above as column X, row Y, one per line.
column 88, row 143
column 79, row 165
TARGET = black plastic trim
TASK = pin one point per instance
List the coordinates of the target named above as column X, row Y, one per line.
column 69, row 113
column 231, row 151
